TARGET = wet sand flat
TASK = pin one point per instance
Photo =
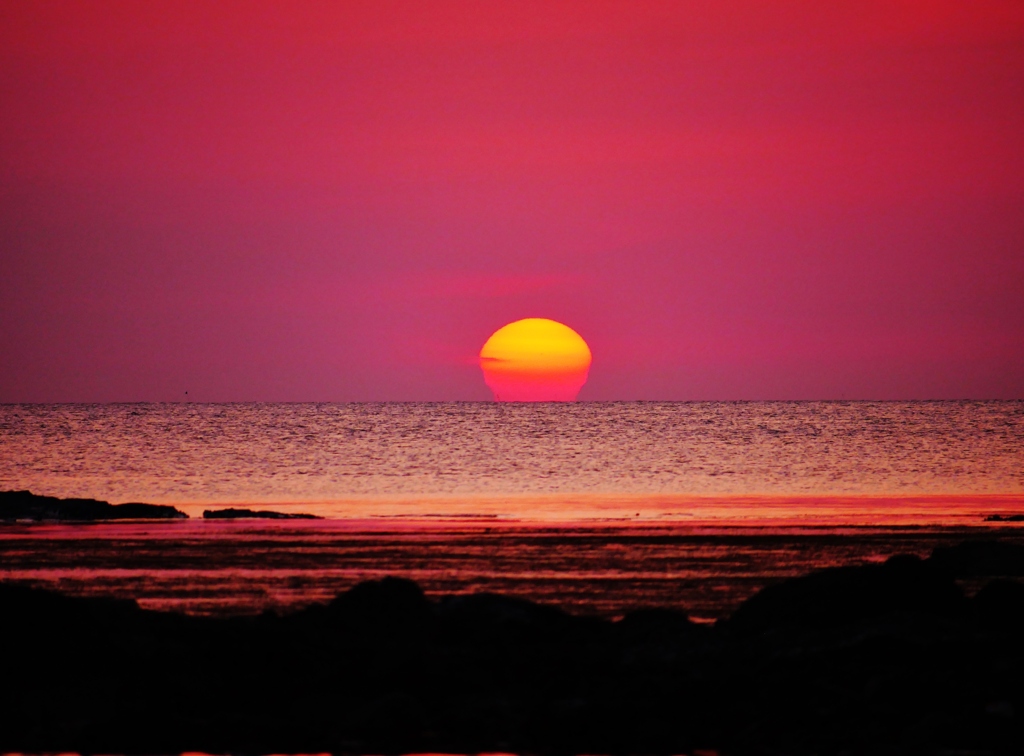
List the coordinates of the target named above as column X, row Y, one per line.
column 598, row 568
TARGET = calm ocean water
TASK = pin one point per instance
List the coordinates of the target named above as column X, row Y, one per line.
column 594, row 507
column 336, row 452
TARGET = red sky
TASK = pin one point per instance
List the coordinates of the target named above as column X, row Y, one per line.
column 342, row 201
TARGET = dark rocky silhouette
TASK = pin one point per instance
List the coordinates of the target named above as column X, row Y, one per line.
column 25, row 505
column 1000, row 604
column 1005, row 518
column 845, row 595
column 257, row 514
column 973, row 559
column 888, row 658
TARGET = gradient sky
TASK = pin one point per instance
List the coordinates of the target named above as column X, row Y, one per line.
column 342, row 201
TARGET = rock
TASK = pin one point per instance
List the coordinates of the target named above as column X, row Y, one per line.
column 388, row 605
column 980, row 559
column 24, row 505
column 261, row 514
column 44, row 607
column 491, row 611
column 1005, row 518
column 1001, row 604
column 654, row 623
column 846, row 595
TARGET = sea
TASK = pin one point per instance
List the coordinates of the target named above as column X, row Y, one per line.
column 596, row 507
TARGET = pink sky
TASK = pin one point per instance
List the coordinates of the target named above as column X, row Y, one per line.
column 342, row 201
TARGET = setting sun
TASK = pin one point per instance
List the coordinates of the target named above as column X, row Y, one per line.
column 535, row 360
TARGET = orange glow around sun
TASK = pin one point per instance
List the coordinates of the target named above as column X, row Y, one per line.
column 535, row 360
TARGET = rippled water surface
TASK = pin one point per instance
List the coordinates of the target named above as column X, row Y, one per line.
column 333, row 452
column 597, row 508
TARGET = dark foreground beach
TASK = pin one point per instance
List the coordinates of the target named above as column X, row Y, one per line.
column 878, row 658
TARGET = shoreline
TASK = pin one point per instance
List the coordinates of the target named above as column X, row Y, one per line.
column 569, row 509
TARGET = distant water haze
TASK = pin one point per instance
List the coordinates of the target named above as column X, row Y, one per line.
column 362, row 459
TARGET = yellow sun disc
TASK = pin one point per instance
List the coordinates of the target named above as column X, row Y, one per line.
column 535, row 359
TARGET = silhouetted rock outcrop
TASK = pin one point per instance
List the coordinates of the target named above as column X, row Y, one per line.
column 1000, row 604
column 383, row 607
column 885, row 658
column 980, row 558
column 24, row 505
column 496, row 612
column 846, row 595
column 656, row 623
column 257, row 514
